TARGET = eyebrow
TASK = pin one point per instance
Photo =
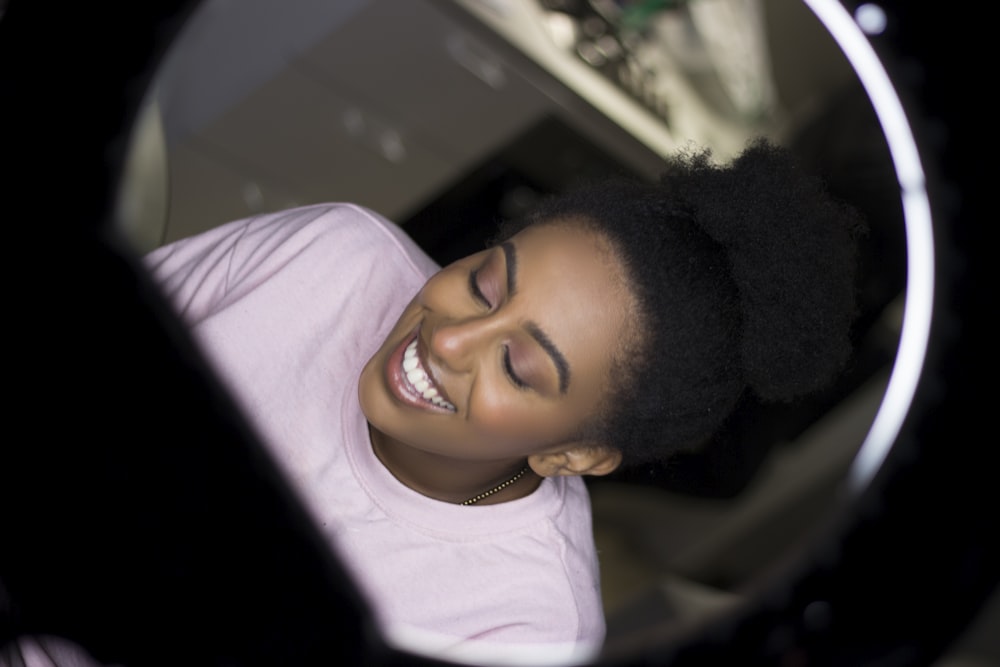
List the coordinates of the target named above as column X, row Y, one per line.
column 562, row 366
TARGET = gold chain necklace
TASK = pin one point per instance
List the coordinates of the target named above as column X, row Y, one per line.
column 499, row 487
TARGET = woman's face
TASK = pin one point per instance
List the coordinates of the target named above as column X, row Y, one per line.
column 504, row 353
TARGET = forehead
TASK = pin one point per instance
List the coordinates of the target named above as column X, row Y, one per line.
column 570, row 282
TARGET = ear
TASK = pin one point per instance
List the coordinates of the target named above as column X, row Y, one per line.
column 577, row 459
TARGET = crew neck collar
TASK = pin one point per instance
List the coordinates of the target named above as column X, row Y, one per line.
column 435, row 516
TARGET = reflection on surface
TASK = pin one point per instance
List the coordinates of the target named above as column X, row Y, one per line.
column 355, row 104
column 142, row 202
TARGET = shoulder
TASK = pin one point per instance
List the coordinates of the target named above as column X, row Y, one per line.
column 531, row 563
column 271, row 239
column 554, row 563
column 578, row 556
column 337, row 244
column 344, row 230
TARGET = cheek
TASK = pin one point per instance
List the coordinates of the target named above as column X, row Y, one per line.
column 368, row 388
column 520, row 422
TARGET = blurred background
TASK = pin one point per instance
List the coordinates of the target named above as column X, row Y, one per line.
column 446, row 115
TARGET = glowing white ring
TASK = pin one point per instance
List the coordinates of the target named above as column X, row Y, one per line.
column 919, row 299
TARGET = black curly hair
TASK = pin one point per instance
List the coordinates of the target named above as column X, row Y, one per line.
column 744, row 274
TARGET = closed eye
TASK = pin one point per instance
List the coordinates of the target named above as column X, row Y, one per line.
column 509, row 370
column 475, row 290
column 477, row 293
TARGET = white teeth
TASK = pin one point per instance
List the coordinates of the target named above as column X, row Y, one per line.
column 419, row 379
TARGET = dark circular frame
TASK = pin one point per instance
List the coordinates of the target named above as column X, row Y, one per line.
column 117, row 535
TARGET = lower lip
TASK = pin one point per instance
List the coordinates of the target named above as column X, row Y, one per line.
column 399, row 386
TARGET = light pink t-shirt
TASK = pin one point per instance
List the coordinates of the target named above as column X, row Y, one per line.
column 289, row 307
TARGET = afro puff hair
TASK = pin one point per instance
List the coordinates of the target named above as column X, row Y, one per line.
column 744, row 274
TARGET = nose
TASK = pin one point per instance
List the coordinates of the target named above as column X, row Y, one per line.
column 456, row 343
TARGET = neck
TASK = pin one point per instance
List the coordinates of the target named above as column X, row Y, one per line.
column 452, row 480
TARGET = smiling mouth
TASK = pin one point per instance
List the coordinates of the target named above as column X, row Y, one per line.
column 417, row 382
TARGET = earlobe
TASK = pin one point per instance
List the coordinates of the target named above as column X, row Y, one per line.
column 606, row 461
column 576, row 460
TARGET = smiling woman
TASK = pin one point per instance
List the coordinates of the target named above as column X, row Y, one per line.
column 289, row 307
column 153, row 536
column 620, row 321
column 502, row 336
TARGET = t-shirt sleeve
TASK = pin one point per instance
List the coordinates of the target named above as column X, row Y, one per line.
column 199, row 272
column 202, row 274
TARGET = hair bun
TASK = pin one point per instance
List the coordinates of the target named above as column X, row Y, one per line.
column 790, row 246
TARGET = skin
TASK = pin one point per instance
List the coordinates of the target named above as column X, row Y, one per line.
column 519, row 340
